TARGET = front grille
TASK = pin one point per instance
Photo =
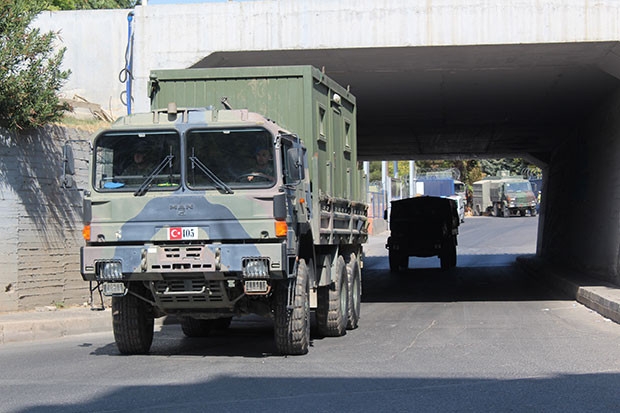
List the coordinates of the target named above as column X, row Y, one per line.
column 189, row 290
column 182, row 258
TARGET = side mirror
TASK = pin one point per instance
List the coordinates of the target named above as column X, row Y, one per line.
column 295, row 163
column 68, row 166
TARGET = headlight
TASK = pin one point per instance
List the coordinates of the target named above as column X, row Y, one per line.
column 109, row 270
column 255, row 267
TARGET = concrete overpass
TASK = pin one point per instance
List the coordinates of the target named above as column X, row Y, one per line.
column 434, row 79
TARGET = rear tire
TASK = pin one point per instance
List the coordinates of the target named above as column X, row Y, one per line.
column 447, row 256
column 394, row 259
column 292, row 326
column 398, row 262
column 331, row 313
column 354, row 281
column 132, row 322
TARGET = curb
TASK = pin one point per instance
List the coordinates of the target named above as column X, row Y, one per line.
column 597, row 295
column 42, row 325
column 45, row 324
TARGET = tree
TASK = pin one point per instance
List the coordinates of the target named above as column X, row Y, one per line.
column 91, row 4
column 30, row 73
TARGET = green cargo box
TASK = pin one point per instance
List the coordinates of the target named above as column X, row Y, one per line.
column 301, row 99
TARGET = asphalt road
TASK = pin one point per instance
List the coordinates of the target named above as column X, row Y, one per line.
column 482, row 337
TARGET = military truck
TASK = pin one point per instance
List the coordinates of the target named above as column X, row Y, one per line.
column 207, row 232
column 424, row 226
column 504, row 195
column 447, row 187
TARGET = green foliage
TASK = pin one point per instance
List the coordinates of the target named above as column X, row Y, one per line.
column 30, row 73
column 91, row 4
column 492, row 167
column 469, row 171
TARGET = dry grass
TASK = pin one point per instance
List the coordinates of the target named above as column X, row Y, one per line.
column 89, row 125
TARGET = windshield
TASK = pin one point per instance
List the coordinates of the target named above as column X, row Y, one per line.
column 459, row 187
column 518, row 186
column 230, row 158
column 131, row 161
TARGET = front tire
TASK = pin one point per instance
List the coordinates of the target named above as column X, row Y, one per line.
column 292, row 326
column 331, row 313
column 132, row 322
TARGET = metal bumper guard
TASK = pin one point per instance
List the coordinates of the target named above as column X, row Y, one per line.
column 151, row 262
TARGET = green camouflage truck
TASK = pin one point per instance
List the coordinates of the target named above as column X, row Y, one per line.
column 235, row 213
column 503, row 196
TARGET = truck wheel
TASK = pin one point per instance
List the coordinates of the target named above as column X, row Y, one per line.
column 292, row 326
column 132, row 323
column 495, row 210
column 447, row 256
column 506, row 212
column 331, row 312
column 354, row 281
column 533, row 212
column 394, row 261
column 453, row 255
column 398, row 261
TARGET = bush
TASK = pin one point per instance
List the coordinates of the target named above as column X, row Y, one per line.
column 30, row 73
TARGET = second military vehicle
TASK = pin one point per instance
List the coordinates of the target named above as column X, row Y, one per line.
column 424, row 226
column 207, row 213
column 504, row 196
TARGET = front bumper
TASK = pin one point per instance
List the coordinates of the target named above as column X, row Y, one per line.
column 154, row 262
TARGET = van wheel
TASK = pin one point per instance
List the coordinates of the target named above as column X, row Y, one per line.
column 331, row 312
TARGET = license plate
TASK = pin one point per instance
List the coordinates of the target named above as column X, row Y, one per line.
column 114, row 289
column 182, row 233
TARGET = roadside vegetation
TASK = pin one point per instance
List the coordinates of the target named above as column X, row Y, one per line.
column 31, row 73
column 467, row 171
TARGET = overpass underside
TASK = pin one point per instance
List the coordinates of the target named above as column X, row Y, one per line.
column 557, row 105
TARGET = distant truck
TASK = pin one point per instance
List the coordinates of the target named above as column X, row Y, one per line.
column 504, row 196
column 424, row 226
column 206, row 233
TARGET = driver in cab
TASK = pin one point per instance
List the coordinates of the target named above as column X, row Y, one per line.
column 263, row 169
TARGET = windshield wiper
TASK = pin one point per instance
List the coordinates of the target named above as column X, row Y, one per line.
column 219, row 184
column 143, row 189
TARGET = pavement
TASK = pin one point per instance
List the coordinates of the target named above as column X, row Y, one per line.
column 600, row 296
column 51, row 323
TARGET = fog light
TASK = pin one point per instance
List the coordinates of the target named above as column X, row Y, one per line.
column 109, row 270
column 255, row 267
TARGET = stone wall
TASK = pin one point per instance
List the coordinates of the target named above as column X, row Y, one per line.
column 39, row 253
